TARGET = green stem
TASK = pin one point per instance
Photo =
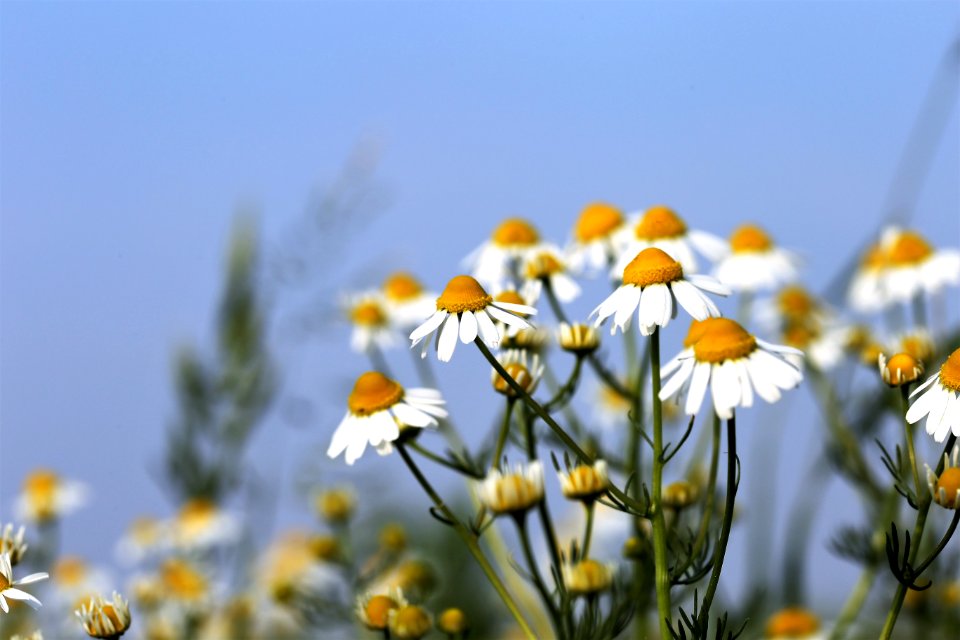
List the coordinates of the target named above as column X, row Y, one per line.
column 496, row 462
column 588, row 533
column 703, row 620
column 707, row 516
column 472, row 544
column 535, row 573
column 908, row 436
column 430, row 455
column 661, row 570
column 559, row 431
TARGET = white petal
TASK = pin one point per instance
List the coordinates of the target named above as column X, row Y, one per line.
column 926, row 384
column 922, row 405
column 764, row 387
column 567, row 289
column 33, row 577
column 341, row 437
column 626, row 304
column 3, row 604
column 411, row 416
column 782, row 373
column 427, row 327
column 676, row 382
column 708, row 283
column 358, row 443
column 725, row 389
column 746, row 391
column 448, row 338
column 610, row 304
column 516, row 308
column 507, row 318
column 698, row 388
column 22, row 596
column 468, row 327
column 488, row 331
column 690, row 299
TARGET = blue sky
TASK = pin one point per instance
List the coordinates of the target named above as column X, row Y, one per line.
column 131, row 133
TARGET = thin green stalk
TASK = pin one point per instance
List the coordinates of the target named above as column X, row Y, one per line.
column 497, row 460
column 635, row 471
column 535, row 574
column 559, row 431
column 707, row 516
column 542, row 509
column 661, row 570
column 704, row 619
column 588, row 532
column 430, row 455
column 908, row 436
column 471, row 541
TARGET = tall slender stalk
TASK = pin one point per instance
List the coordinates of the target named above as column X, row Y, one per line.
column 661, row 570
column 471, row 541
column 704, row 619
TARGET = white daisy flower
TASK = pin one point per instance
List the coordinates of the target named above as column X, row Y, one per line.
column 754, row 262
column 945, row 488
column 794, row 623
column 526, row 371
column 792, row 305
column 377, row 410
column 8, row 586
column 74, row 581
column 824, row 347
column 585, row 482
column 913, row 266
column 498, row 260
column 47, row 496
column 901, row 369
column 513, row 492
column 407, row 303
column 867, row 293
column 144, row 537
column 105, row 618
column 661, row 227
column 201, row 524
column 588, row 577
column 465, row 309
column 12, row 543
column 652, row 283
column 370, row 318
column 547, row 264
column 373, row 608
column 733, row 364
column 595, row 237
column 938, row 400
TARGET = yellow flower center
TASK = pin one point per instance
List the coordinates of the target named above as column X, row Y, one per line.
column 949, row 481
column 909, row 248
column 597, row 220
column 798, row 335
column 452, row 621
column 369, row 314
column 463, row 293
column 183, row 581
column 680, row 494
column 750, row 238
column 401, row 286
column 515, row 232
column 518, row 372
column 196, row 516
column 543, row 265
column 70, row 571
column 696, row 331
column 325, row 547
column 4, row 583
column 378, row 611
column 335, row 505
column 145, row 530
column 652, row 266
column 723, row 340
column 919, row 345
column 109, row 612
column 410, row 622
column 902, row 368
column 40, row 488
column 373, row 392
column 588, row 576
column 659, row 222
column 796, row 303
column 950, row 372
column 874, row 258
column 792, row 623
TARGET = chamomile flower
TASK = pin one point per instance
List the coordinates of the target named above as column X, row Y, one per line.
column 595, row 237
column 938, row 400
column 945, row 488
column 661, row 227
column 585, row 482
column 373, row 609
column 290, row 572
column 12, row 544
column 755, row 262
column 378, row 409
column 411, row 622
column 653, row 283
column 587, row 577
column 466, row 310
column 792, row 306
column 48, row 496
column 499, row 259
column 407, row 302
column 75, row 581
column 105, row 618
column 733, row 364
column 370, row 319
column 793, row 623
column 900, row 369
column 184, row 584
column 144, row 536
column 201, row 524
column 513, row 492
column 8, row 586
column 578, row 338
column 822, row 346
column 547, row 265
column 913, row 266
column 866, row 293
column 525, row 370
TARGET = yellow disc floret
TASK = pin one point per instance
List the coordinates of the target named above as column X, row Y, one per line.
column 515, row 232
column 463, row 293
column 901, row 369
column 652, row 266
column 452, row 621
column 949, row 483
column 597, row 220
column 368, row 313
column 793, row 622
column 410, row 622
column 182, row 581
column 796, row 303
column 909, row 248
column 587, row 577
column 659, row 222
column 40, row 489
column 723, row 339
column 377, row 611
column 401, row 286
column 373, row 392
column 543, row 265
column 750, row 238
column 950, row 372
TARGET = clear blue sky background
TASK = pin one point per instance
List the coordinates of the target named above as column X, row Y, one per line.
column 132, row 133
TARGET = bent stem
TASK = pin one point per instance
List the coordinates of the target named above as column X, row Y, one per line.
column 495, row 462
column 732, row 481
column 471, row 541
column 661, row 570
column 588, row 532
